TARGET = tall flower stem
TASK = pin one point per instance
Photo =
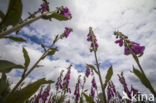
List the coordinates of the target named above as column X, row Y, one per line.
column 100, row 78
column 31, row 69
column 98, row 68
column 18, row 26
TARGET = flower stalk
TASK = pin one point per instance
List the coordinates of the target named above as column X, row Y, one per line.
column 95, row 45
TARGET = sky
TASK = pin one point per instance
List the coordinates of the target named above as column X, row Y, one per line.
column 134, row 18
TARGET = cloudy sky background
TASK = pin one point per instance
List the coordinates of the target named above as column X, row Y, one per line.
column 135, row 18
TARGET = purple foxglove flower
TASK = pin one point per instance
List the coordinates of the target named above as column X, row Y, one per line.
column 92, row 94
column 45, row 94
column 124, row 84
column 120, row 42
column 94, row 83
column 44, row 8
column 77, row 91
column 66, row 13
column 136, row 49
column 93, row 40
column 67, row 31
column 87, row 72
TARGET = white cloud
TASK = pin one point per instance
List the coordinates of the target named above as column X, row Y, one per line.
column 134, row 18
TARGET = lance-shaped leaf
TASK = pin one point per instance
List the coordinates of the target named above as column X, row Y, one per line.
column 108, row 76
column 88, row 98
column 56, row 38
column 92, row 67
column 20, row 96
column 43, row 47
column 4, row 86
column 17, row 39
column 144, row 80
column 13, row 14
column 56, row 16
column 52, row 51
column 26, row 58
column 7, row 66
column 1, row 15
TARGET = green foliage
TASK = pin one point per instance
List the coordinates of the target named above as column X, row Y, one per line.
column 88, row 98
column 52, row 51
column 17, row 39
column 7, row 66
column 92, row 67
column 20, row 96
column 26, row 58
column 144, row 80
column 1, row 15
column 56, row 16
column 4, row 87
column 136, row 58
column 43, row 47
column 108, row 76
column 13, row 14
column 56, row 38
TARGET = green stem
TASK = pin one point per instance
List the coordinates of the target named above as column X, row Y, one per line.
column 97, row 65
column 100, row 78
column 141, row 69
column 31, row 69
column 18, row 26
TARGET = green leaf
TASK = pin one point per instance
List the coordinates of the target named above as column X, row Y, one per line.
column 136, row 58
column 141, row 55
column 108, row 76
column 81, row 99
column 88, row 98
column 26, row 58
column 13, row 14
column 55, row 15
column 21, row 95
column 56, row 38
column 7, row 66
column 17, row 39
column 92, row 67
column 52, row 51
column 1, row 15
column 43, row 47
column 4, row 86
column 144, row 80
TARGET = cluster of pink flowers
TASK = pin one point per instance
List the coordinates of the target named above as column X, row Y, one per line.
column 92, row 38
column 64, row 11
column 130, row 46
column 59, row 81
column 111, row 91
column 67, row 31
column 93, row 88
column 44, row 7
column 87, row 72
column 77, row 90
column 66, row 81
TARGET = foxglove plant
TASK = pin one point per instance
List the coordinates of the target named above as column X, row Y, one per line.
column 66, row 80
column 94, row 46
column 59, row 81
column 93, row 88
column 112, row 92
column 124, row 84
column 77, row 90
column 134, row 49
column 87, row 72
